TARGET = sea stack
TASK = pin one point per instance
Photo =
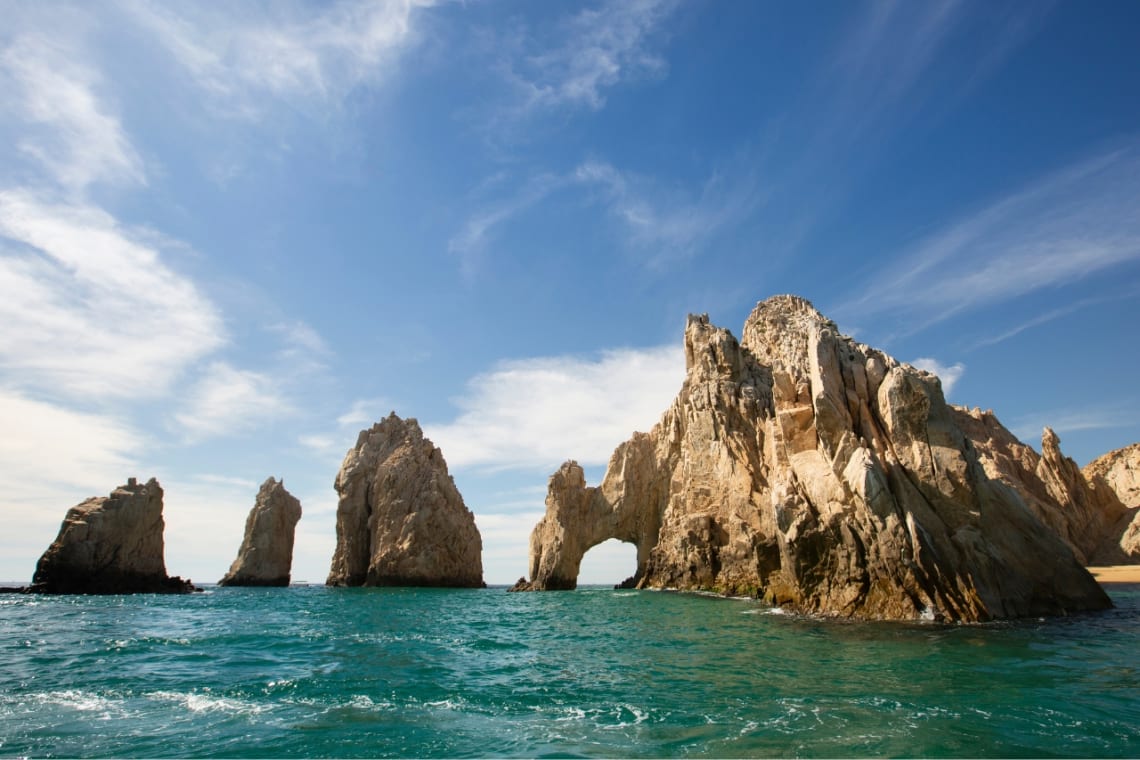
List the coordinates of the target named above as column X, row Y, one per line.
column 819, row 474
column 266, row 554
column 110, row 545
column 400, row 519
column 1119, row 471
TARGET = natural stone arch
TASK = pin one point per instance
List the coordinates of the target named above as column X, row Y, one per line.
column 579, row 517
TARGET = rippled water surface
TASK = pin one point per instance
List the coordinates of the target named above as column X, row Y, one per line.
column 312, row 671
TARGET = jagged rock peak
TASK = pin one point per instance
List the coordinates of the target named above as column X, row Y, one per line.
column 110, row 545
column 820, row 474
column 400, row 519
column 265, row 557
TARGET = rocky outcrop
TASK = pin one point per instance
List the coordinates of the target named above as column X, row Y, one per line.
column 110, row 545
column 819, row 474
column 266, row 554
column 1119, row 471
column 400, row 520
column 1084, row 511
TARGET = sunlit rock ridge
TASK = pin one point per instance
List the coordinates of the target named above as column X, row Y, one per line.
column 820, row 474
column 265, row 557
column 400, row 520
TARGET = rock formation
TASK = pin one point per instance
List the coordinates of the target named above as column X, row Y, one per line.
column 1084, row 512
column 819, row 474
column 110, row 545
column 266, row 554
column 400, row 520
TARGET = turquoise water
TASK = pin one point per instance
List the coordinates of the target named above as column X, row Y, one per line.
column 312, row 671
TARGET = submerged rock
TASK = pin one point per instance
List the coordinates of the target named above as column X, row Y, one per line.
column 819, row 474
column 110, row 545
column 400, row 519
column 266, row 554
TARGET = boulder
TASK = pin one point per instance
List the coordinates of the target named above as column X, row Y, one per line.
column 266, row 554
column 400, row 519
column 110, row 545
column 820, row 474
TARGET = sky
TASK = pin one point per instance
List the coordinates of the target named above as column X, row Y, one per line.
column 233, row 235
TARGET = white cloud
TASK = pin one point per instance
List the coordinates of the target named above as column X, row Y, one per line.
column 69, row 130
column 364, row 413
column 948, row 374
column 470, row 242
column 229, row 400
column 599, row 48
column 285, row 51
column 536, row 413
column 1074, row 223
column 89, row 308
column 51, row 459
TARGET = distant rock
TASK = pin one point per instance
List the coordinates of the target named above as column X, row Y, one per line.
column 1086, row 516
column 1119, row 471
column 266, row 554
column 110, row 545
column 819, row 474
column 400, row 520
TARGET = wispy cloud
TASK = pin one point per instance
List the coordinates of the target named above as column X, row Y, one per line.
column 1106, row 416
column 662, row 224
column 89, row 307
column 69, row 130
column 593, row 51
column 283, row 50
column 1069, row 225
column 364, row 412
column 948, row 374
column 227, row 401
column 667, row 226
column 536, row 413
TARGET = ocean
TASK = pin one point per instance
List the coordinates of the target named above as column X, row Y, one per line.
column 311, row 671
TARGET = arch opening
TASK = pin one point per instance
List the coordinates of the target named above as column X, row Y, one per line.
column 607, row 564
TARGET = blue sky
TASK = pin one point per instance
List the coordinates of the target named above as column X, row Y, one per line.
column 233, row 235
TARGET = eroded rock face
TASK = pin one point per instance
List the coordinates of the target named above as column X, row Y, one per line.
column 110, row 545
column 400, row 519
column 1086, row 515
column 820, row 474
column 266, row 554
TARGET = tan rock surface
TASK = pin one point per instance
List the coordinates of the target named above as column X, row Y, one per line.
column 265, row 557
column 820, row 474
column 110, row 545
column 400, row 519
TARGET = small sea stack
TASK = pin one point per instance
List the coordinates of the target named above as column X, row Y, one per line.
column 111, row 545
column 266, row 554
column 400, row 519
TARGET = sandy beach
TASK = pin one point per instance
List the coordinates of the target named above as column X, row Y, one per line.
column 1116, row 573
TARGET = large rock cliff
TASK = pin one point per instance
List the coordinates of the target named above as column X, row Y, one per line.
column 265, row 557
column 820, row 474
column 400, row 520
column 110, row 545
